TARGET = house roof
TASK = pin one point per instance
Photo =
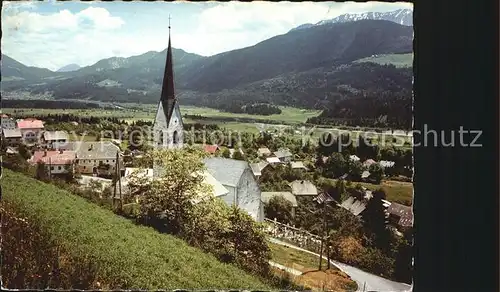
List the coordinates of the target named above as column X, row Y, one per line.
column 55, row 135
column 30, row 123
column 225, row 170
column 298, row 164
column 405, row 213
column 386, row 163
column 53, row 157
column 303, row 188
column 354, row 158
column 4, row 116
column 12, row 133
column 92, row 150
column 282, row 153
column 323, row 197
column 258, row 167
column 353, row 205
column 210, row 148
column 264, row 151
column 369, row 162
column 218, row 189
column 11, row 150
column 266, row 197
column 273, row 160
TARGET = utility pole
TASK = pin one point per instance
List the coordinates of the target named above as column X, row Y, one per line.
column 323, row 236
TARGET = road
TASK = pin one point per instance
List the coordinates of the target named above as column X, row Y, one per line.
column 366, row 281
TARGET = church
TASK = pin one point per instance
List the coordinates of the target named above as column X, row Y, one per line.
column 235, row 176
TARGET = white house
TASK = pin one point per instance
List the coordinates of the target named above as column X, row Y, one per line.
column 8, row 122
column 52, row 139
column 237, row 177
column 31, row 129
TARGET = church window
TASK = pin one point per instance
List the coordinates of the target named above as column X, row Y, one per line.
column 160, row 140
column 176, row 137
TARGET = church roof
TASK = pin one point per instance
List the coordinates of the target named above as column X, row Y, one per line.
column 225, row 170
column 168, row 99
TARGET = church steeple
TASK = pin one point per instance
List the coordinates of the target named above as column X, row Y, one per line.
column 168, row 99
column 168, row 126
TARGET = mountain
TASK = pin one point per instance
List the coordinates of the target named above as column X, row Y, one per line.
column 69, row 68
column 288, row 69
column 16, row 71
column 400, row 16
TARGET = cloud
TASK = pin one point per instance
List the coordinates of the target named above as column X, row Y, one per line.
column 56, row 39
column 62, row 35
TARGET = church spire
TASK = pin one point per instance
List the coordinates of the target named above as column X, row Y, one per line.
column 167, row 92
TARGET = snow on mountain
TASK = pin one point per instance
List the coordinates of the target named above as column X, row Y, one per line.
column 400, row 16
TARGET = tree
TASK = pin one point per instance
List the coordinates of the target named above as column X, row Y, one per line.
column 376, row 172
column 24, row 152
column 226, row 153
column 166, row 202
column 248, row 239
column 238, row 155
column 336, row 166
column 375, row 221
column 280, row 209
column 41, row 171
column 355, row 168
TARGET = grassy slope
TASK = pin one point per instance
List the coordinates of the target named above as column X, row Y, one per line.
column 134, row 255
column 398, row 60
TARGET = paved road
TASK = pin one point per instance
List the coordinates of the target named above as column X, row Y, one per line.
column 366, row 281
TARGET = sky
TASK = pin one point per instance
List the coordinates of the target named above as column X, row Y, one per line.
column 51, row 34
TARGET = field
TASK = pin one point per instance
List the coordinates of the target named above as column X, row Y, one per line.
column 398, row 60
column 332, row 279
column 147, row 112
column 131, row 256
column 288, row 117
column 396, row 191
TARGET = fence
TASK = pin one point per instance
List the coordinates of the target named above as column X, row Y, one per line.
column 293, row 235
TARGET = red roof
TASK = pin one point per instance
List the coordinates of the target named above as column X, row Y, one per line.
column 211, row 148
column 30, row 123
column 53, row 157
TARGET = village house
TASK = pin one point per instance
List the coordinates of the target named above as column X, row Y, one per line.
column 369, row 162
column 267, row 196
column 212, row 149
column 298, row 165
column 386, row 163
column 237, row 177
column 284, row 155
column 303, row 188
column 31, row 129
column 354, row 158
column 56, row 162
column 400, row 215
column 12, row 136
column 53, row 139
column 263, row 151
column 257, row 168
column 8, row 122
column 273, row 160
column 95, row 158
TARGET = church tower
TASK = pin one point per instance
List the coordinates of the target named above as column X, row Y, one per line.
column 168, row 127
